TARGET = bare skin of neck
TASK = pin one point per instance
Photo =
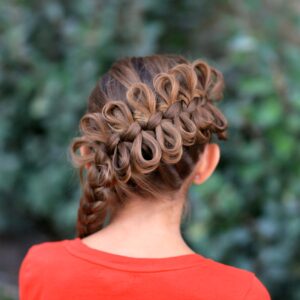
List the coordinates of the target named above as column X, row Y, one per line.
column 143, row 229
column 152, row 228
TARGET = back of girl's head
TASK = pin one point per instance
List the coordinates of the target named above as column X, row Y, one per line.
column 146, row 125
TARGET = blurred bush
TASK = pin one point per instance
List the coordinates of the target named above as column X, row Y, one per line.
column 52, row 53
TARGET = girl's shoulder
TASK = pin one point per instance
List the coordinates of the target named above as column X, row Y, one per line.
column 234, row 278
column 44, row 250
column 41, row 257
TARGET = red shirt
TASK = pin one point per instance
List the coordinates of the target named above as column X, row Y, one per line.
column 69, row 269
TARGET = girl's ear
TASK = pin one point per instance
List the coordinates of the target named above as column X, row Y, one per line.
column 84, row 151
column 207, row 163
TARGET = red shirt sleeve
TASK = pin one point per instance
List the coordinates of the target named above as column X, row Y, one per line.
column 29, row 286
column 257, row 291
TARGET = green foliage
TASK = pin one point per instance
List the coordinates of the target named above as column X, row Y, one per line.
column 52, row 53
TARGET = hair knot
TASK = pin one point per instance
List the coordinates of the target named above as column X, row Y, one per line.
column 131, row 132
column 154, row 120
column 173, row 110
column 112, row 141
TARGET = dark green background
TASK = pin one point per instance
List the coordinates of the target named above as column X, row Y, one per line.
column 51, row 54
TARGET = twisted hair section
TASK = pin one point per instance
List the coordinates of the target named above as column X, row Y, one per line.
column 147, row 122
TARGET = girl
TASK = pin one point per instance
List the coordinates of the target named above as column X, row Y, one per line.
column 145, row 138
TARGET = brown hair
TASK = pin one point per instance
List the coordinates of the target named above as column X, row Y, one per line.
column 148, row 119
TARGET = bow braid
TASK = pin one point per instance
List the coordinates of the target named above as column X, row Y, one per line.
column 148, row 120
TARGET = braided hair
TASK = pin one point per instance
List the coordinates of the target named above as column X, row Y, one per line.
column 148, row 120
